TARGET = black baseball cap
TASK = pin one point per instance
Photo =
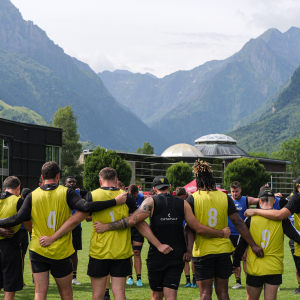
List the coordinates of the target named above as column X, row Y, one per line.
column 160, row 182
column 297, row 181
column 266, row 192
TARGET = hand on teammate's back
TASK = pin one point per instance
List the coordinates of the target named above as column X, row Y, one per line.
column 227, row 232
column 100, row 227
column 187, row 256
column 121, row 199
column 165, row 249
column 249, row 213
column 46, row 241
column 259, row 252
column 6, row 232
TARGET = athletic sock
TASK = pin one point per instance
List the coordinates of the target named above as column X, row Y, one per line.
column 130, row 276
column 238, row 280
column 138, row 277
column 107, row 292
column 299, row 284
column 194, row 279
column 188, row 279
column 74, row 274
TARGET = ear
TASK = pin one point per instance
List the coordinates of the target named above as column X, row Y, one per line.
column 100, row 180
column 259, row 201
column 43, row 177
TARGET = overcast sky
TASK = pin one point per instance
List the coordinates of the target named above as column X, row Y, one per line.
column 156, row 36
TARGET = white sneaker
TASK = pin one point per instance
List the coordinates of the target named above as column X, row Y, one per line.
column 75, row 281
column 278, row 288
column 238, row 285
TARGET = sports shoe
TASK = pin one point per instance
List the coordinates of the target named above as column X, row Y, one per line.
column 188, row 284
column 75, row 281
column 194, row 285
column 139, row 283
column 278, row 288
column 130, row 281
column 237, row 286
column 297, row 291
column 106, row 297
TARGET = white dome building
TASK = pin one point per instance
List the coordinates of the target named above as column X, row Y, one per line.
column 182, row 150
column 218, row 145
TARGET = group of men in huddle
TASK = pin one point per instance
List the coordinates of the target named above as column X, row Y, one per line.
column 47, row 212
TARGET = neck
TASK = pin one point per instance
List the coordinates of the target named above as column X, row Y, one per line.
column 14, row 192
column 163, row 192
column 108, row 184
column 238, row 198
column 49, row 181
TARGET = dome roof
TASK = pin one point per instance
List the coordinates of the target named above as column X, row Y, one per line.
column 184, row 150
column 221, row 138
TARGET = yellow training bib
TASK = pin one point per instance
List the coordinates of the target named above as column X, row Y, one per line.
column 49, row 211
column 110, row 244
column 269, row 235
column 8, row 208
column 211, row 209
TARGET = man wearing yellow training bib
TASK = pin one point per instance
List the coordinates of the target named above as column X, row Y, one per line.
column 49, row 207
column 266, row 271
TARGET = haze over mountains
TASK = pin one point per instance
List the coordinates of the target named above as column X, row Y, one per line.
column 215, row 96
column 36, row 73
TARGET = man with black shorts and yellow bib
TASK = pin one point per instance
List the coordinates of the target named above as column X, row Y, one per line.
column 11, row 270
column 211, row 256
column 49, row 207
column 110, row 252
column 266, row 271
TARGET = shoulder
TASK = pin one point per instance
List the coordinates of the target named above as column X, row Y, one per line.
column 190, row 200
column 130, row 201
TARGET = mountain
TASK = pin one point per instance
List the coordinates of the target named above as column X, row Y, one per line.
column 36, row 73
column 279, row 122
column 20, row 114
column 215, row 96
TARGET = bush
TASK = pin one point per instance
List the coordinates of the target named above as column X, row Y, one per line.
column 102, row 158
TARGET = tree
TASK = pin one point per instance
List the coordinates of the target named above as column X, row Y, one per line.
column 147, row 149
column 259, row 154
column 290, row 151
column 249, row 173
column 101, row 158
column 64, row 118
column 180, row 174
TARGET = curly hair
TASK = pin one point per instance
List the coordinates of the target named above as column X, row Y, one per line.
column 204, row 178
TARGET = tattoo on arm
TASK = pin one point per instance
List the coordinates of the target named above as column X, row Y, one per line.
column 145, row 208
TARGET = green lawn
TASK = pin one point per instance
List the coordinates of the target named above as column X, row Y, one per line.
column 143, row 293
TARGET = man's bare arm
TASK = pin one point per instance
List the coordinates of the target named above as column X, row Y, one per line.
column 141, row 214
column 69, row 225
column 190, row 238
column 146, row 231
column 252, row 201
column 272, row 214
column 194, row 224
column 28, row 225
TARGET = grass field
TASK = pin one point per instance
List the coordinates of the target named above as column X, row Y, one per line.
column 84, row 291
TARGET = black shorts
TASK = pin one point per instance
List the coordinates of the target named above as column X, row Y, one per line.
column 164, row 273
column 58, row 268
column 77, row 238
column 259, row 281
column 297, row 263
column 24, row 240
column 104, row 267
column 213, row 265
column 11, row 268
column 234, row 240
column 136, row 236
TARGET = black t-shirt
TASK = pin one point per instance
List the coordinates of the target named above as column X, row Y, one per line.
column 73, row 199
column 16, row 236
column 166, row 224
column 130, row 201
column 294, row 204
column 231, row 205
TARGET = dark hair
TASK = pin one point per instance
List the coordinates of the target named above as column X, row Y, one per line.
column 152, row 192
column 50, row 169
column 25, row 192
column 266, row 198
column 108, row 174
column 121, row 184
column 180, row 191
column 11, row 183
column 235, row 185
column 204, row 178
column 132, row 189
column 68, row 177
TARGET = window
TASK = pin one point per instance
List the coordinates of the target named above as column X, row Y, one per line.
column 53, row 154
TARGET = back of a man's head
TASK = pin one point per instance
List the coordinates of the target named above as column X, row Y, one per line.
column 180, row 191
column 11, row 183
column 50, row 169
column 108, row 174
column 25, row 192
column 120, row 185
column 132, row 189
